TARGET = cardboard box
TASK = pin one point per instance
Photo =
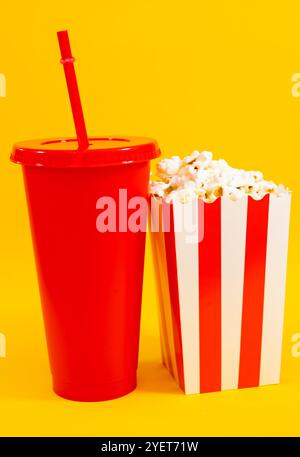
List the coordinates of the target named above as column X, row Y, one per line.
column 221, row 288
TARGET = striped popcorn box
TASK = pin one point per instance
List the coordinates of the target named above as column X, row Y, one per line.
column 221, row 287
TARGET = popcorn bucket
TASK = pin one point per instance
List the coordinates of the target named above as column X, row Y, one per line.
column 221, row 287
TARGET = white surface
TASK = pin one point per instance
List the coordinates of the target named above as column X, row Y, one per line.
column 233, row 237
column 188, row 286
column 274, row 298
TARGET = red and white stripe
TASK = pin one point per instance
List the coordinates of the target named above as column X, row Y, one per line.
column 222, row 298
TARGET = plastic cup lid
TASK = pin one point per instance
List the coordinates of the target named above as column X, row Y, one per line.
column 64, row 153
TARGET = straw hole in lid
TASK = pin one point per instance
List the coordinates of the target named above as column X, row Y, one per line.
column 72, row 140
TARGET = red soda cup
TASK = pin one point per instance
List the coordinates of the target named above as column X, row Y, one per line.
column 90, row 280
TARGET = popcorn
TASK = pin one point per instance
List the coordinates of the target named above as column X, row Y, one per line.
column 185, row 195
column 233, row 193
column 281, row 190
column 192, row 157
column 158, row 188
column 167, row 168
column 200, row 176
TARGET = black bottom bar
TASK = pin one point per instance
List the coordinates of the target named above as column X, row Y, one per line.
column 135, row 446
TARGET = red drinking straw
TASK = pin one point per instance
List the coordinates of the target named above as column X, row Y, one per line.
column 68, row 62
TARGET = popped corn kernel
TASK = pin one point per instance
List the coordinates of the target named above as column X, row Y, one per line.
column 198, row 175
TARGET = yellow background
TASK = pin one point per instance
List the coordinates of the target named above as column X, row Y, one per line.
column 195, row 74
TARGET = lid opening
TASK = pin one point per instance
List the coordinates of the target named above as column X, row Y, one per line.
column 72, row 140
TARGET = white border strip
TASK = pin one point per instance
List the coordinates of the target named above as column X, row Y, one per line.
column 276, row 259
column 186, row 241
column 233, row 233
